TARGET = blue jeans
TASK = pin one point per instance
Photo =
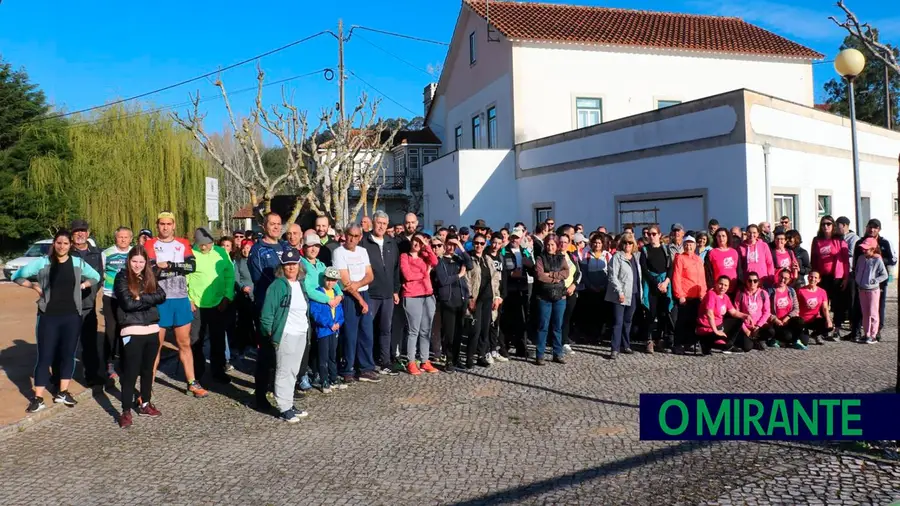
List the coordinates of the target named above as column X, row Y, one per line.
column 356, row 336
column 551, row 313
column 622, row 316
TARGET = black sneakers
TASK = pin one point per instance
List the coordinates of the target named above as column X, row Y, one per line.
column 65, row 398
column 35, row 404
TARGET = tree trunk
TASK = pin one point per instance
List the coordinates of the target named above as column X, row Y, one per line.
column 295, row 212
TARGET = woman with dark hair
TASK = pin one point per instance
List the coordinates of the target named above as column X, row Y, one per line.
column 783, row 257
column 551, row 272
column 756, row 256
column 753, row 300
column 452, row 294
column 830, row 256
column 571, row 282
column 59, row 280
column 719, row 323
column 138, row 295
column 597, row 312
column 703, row 246
column 656, row 274
column 722, row 260
column 814, row 309
column 793, row 243
column 417, row 295
column 245, row 331
column 784, row 322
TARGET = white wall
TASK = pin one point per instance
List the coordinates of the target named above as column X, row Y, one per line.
column 496, row 94
column 441, row 190
column 548, row 78
column 588, row 195
column 487, row 186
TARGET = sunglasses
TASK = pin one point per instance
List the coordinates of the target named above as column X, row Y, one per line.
column 479, row 243
column 653, row 234
column 753, row 281
column 437, row 245
column 828, row 224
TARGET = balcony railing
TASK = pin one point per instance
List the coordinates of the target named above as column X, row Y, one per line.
column 394, row 184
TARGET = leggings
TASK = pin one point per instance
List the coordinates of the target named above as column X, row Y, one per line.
column 451, row 329
column 837, row 297
column 57, row 340
column 571, row 300
column 790, row 332
column 138, row 355
column 733, row 333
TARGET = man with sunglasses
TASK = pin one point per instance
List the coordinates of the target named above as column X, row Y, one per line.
column 517, row 264
column 356, row 338
column 497, row 348
column 786, row 223
column 484, row 299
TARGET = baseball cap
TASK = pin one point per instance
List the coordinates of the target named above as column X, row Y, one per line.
column 145, row 231
column 869, row 243
column 165, row 215
column 843, row 220
column 78, row 225
column 517, row 232
column 677, row 226
column 290, row 256
column 579, row 238
column 874, row 223
column 689, row 238
column 312, row 240
column 464, row 231
column 332, row 273
column 202, row 236
column 246, row 242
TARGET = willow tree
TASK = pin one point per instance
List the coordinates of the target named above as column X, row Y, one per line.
column 126, row 166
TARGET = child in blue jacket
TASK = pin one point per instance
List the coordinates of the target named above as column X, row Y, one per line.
column 327, row 321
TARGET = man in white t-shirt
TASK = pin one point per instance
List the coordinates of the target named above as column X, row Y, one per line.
column 352, row 261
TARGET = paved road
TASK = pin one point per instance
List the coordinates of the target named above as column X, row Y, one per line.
column 514, row 433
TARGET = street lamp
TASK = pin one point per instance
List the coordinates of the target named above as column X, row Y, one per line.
column 849, row 64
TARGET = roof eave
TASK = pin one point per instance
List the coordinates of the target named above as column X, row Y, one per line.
column 815, row 56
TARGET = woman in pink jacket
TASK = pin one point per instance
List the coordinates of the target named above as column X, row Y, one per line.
column 722, row 260
column 830, row 257
column 418, row 302
column 756, row 257
column 754, row 301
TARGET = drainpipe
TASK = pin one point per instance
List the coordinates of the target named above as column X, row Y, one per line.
column 766, row 153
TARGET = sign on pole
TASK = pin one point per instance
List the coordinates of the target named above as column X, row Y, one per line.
column 212, row 199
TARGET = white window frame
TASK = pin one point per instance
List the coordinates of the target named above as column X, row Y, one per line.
column 782, row 210
column 830, row 197
column 458, row 136
column 429, row 155
column 413, row 155
column 476, row 131
column 895, row 205
column 473, row 50
column 492, row 127
column 543, row 211
column 588, row 110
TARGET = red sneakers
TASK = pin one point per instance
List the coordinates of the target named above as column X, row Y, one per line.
column 149, row 410
column 427, row 367
column 198, row 391
column 413, row 369
column 125, row 419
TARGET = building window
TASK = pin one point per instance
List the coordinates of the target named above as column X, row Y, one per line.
column 429, row 155
column 492, row 127
column 472, row 53
column 476, row 132
column 896, row 206
column 413, row 163
column 589, row 111
column 866, row 210
column 542, row 214
column 458, row 134
column 786, row 205
column 823, row 205
column 662, row 104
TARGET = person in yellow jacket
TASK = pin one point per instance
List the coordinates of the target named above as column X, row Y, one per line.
column 210, row 290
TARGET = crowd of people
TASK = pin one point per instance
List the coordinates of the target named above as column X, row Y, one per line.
column 325, row 309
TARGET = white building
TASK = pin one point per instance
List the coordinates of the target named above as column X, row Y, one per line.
column 608, row 116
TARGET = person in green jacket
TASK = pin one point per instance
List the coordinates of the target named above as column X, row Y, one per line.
column 314, row 279
column 285, row 320
column 210, row 290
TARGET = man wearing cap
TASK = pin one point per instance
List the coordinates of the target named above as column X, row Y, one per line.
column 210, row 290
column 384, row 291
column 676, row 242
column 889, row 256
column 172, row 259
column 92, row 345
column 518, row 262
column 326, row 252
column 144, row 235
column 115, row 259
column 465, row 238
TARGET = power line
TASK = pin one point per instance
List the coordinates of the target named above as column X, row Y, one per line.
column 376, row 46
column 328, row 74
column 376, row 90
column 186, row 81
column 395, row 34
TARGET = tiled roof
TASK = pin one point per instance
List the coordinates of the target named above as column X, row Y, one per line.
column 622, row 27
column 423, row 136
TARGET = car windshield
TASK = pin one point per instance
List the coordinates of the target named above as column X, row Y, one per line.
column 37, row 250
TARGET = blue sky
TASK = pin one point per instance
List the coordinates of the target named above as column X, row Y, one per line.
column 88, row 53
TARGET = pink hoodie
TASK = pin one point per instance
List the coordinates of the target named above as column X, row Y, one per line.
column 758, row 258
column 756, row 305
column 416, row 273
column 830, row 257
column 723, row 263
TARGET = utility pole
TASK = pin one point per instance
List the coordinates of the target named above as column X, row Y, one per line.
column 887, row 97
column 341, row 67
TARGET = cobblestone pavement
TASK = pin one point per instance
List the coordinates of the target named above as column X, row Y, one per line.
column 510, row 434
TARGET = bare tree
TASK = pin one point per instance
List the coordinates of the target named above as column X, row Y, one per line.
column 322, row 174
column 866, row 34
column 233, row 195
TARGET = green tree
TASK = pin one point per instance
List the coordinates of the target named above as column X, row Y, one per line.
column 869, row 86
column 125, row 167
column 25, row 133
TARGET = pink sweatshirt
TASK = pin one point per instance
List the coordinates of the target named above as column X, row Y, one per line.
column 723, row 263
column 830, row 257
column 416, row 273
column 758, row 258
column 719, row 304
column 756, row 305
column 811, row 302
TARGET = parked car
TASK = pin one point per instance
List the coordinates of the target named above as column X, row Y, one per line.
column 38, row 249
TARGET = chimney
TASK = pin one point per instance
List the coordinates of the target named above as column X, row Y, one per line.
column 428, row 96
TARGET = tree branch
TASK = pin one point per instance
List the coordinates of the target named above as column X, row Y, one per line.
column 865, row 34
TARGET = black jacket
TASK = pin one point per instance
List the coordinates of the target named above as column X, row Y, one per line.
column 326, row 252
column 447, row 282
column 136, row 312
column 386, row 269
column 94, row 257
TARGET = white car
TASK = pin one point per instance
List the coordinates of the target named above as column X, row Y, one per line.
column 38, row 249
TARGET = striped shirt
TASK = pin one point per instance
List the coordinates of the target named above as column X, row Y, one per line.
column 114, row 260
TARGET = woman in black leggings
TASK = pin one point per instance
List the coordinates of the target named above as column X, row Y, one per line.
column 138, row 294
column 59, row 280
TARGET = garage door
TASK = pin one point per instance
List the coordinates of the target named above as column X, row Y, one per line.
column 687, row 210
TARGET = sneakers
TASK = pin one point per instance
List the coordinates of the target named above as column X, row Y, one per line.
column 567, row 349
column 35, row 404
column 148, row 409
column 628, row 351
column 339, row 386
column 489, row 358
column 651, row 347
column 427, row 367
column 834, row 336
column 65, row 398
column 111, row 373
column 559, row 359
column 719, row 342
column 326, row 390
column 125, row 419
column 413, row 369
column 348, row 378
column 293, row 416
column 798, row 345
column 387, row 371
column 539, row 361
column 228, row 367
column 369, row 377
column 198, row 391
column 872, row 340
column 304, row 383
column 773, row 343
column 819, row 340
column 500, row 358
